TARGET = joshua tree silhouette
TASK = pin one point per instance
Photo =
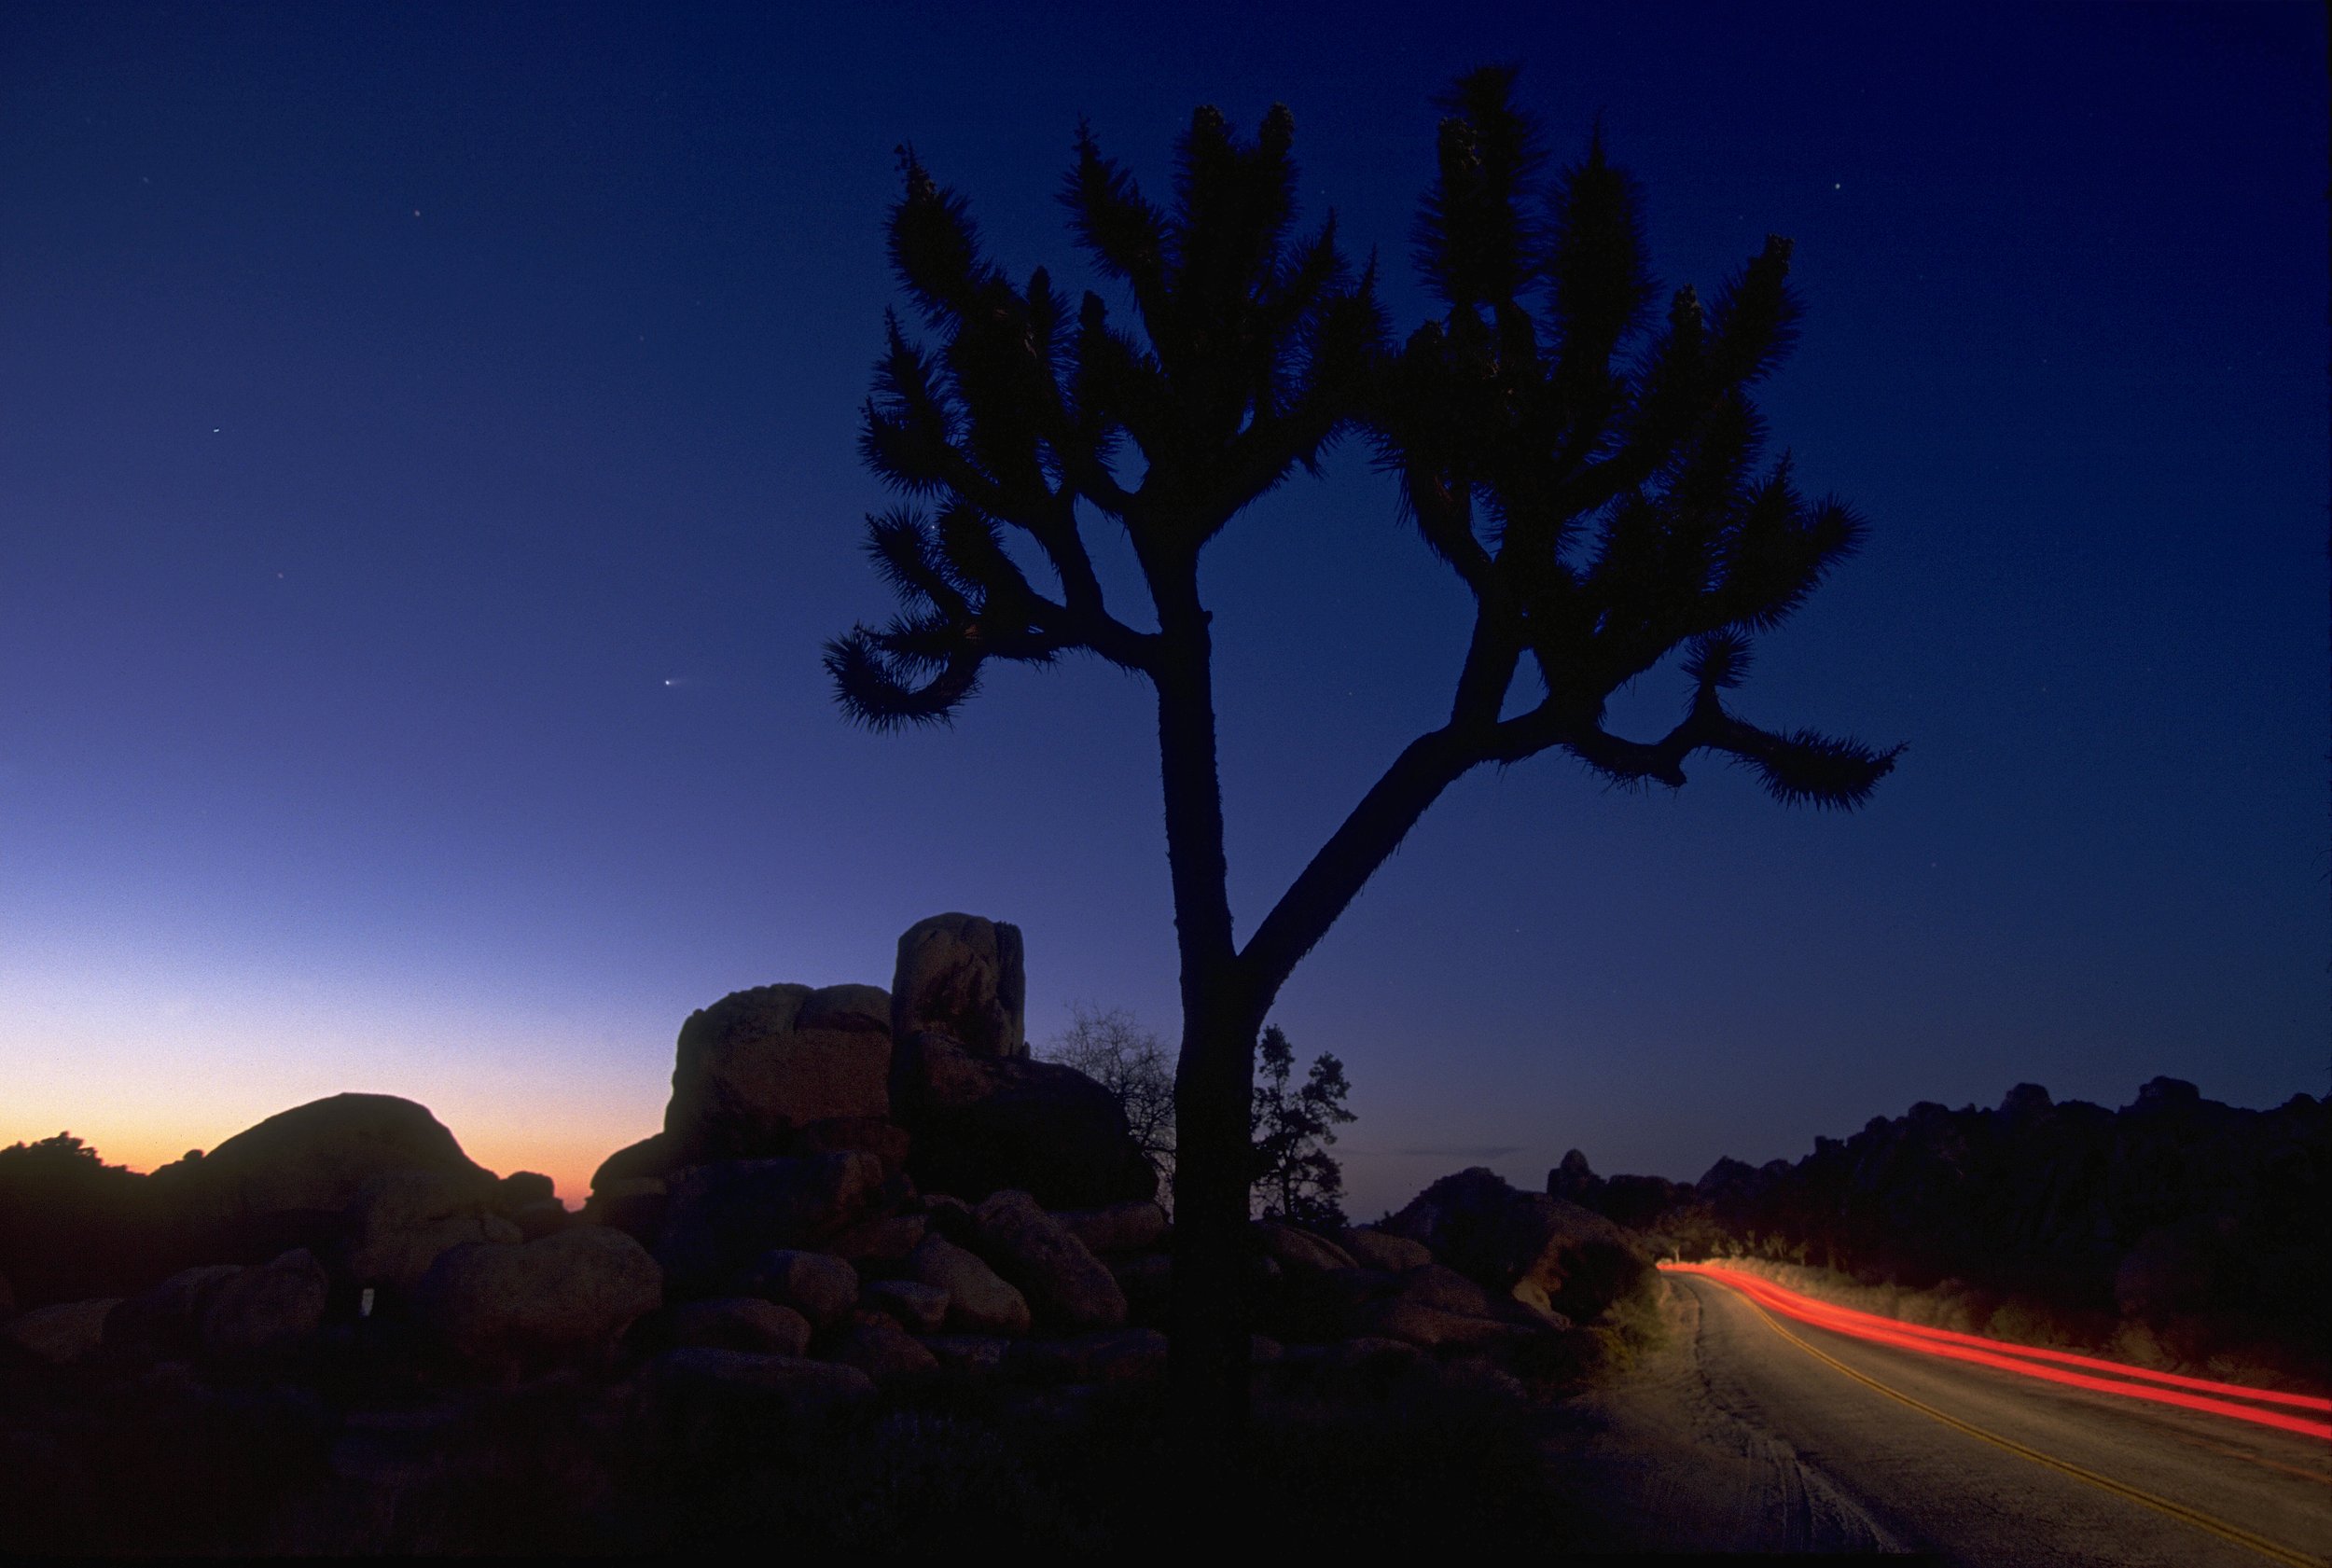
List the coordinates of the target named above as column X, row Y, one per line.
column 1594, row 478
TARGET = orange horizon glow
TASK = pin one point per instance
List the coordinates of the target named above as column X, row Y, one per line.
column 2031, row 1361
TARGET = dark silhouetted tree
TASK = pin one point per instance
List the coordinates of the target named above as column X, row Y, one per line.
column 1126, row 1060
column 1592, row 477
column 1292, row 1126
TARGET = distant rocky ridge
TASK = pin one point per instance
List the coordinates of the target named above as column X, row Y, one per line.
column 859, row 1199
column 2199, row 1221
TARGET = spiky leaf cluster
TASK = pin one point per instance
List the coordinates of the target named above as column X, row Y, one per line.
column 1246, row 352
column 1592, row 468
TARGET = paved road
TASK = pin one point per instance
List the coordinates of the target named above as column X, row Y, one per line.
column 1744, row 1438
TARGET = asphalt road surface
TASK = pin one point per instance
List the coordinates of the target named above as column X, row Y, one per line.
column 1756, row 1433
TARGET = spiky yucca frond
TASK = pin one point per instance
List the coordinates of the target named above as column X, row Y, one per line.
column 1248, row 349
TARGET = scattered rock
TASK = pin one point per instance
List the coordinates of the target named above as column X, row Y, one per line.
column 1119, row 1227
column 724, row 1215
column 975, row 1355
column 918, row 1308
column 881, row 1245
column 1297, row 1250
column 1062, row 1279
column 741, row 1322
column 567, row 1296
column 950, row 1217
column 165, row 1322
column 1372, row 1248
column 960, row 975
column 1431, row 1328
column 635, row 1205
column 1545, row 1250
column 821, row 1288
column 521, row 1188
column 655, row 1155
column 982, row 1124
column 290, row 1177
column 537, row 1220
column 63, row 1335
column 879, row 1347
column 401, row 1220
column 979, row 1301
column 265, row 1309
column 757, row 1066
column 1108, row 1356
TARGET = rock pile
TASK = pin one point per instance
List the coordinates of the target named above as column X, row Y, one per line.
column 855, row 1194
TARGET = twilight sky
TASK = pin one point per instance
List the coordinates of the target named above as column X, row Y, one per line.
column 426, row 476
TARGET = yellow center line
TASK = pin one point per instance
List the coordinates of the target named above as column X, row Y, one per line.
column 2218, row 1527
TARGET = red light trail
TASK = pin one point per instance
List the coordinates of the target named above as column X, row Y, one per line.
column 2049, row 1366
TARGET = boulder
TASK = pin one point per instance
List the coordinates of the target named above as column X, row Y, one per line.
column 726, row 1215
column 569, row 1296
column 655, row 1155
column 537, row 1220
column 290, row 1177
column 821, row 1288
column 1298, row 1250
column 1551, row 1255
column 165, row 1322
column 741, row 1322
column 1107, row 1356
column 879, row 1347
column 635, row 1205
column 63, row 1335
column 950, row 1217
column 1064, row 1283
column 7, row 1297
column 960, row 975
column 979, row 1301
column 971, row 1355
column 918, row 1308
column 886, row 1140
column 881, row 1245
column 1327, row 1304
column 1432, row 1327
column 1119, row 1227
column 757, row 1067
column 981, row 1124
column 265, row 1309
column 401, row 1220
column 1372, row 1248
column 521, row 1188
column 1446, row 1290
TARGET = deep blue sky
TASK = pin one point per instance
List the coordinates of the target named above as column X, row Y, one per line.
column 426, row 476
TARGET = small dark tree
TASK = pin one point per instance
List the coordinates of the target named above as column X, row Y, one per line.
column 1597, row 492
column 1126, row 1060
column 1292, row 1125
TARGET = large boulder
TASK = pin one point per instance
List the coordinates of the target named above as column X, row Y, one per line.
column 984, row 1123
column 164, row 1322
column 1119, row 1227
column 568, row 1296
column 725, row 1216
column 960, row 975
column 265, row 1309
column 821, row 1288
column 289, row 1179
column 981, row 1301
column 756, row 1068
column 1549, row 1255
column 1064, row 1283
column 402, row 1220
column 62, row 1334
column 741, row 1322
